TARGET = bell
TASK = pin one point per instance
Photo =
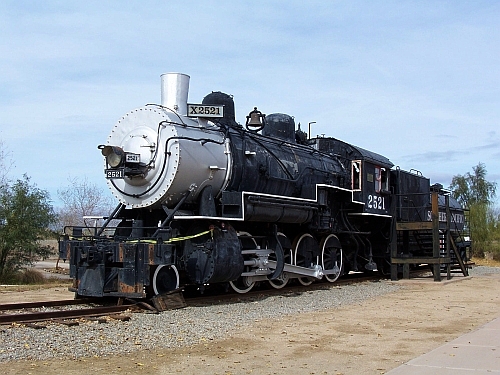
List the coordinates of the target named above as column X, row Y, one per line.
column 255, row 120
column 255, row 116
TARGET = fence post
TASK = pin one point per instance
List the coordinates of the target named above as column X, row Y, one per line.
column 435, row 236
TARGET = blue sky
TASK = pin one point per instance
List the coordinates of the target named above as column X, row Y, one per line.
column 416, row 81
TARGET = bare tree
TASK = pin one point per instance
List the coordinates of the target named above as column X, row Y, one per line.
column 82, row 198
column 6, row 163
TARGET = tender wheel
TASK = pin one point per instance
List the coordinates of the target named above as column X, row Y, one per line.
column 303, row 255
column 331, row 257
column 165, row 279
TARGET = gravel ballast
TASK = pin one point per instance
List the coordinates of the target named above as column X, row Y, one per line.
column 176, row 328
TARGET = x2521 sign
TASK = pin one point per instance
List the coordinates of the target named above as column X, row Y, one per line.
column 202, row 110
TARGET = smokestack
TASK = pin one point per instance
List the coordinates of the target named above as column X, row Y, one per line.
column 174, row 92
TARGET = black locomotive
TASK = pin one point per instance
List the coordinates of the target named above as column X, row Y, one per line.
column 205, row 200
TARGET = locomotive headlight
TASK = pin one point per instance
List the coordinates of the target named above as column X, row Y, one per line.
column 114, row 155
column 114, row 160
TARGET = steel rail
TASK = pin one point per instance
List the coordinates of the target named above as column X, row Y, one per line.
column 62, row 314
column 37, row 304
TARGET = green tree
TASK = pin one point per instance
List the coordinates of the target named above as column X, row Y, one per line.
column 474, row 192
column 25, row 216
column 470, row 189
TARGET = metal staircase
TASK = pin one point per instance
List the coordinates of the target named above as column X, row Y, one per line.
column 438, row 244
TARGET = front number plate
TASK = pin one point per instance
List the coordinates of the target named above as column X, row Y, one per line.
column 202, row 110
column 114, row 173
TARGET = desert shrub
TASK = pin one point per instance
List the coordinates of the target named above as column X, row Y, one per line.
column 32, row 276
column 495, row 250
column 10, row 277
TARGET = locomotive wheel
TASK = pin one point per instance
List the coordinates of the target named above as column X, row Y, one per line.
column 306, row 281
column 303, row 255
column 165, row 279
column 331, row 257
column 243, row 284
column 247, row 241
column 282, row 280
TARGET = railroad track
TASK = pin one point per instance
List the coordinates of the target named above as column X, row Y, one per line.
column 258, row 293
column 29, row 312
column 23, row 312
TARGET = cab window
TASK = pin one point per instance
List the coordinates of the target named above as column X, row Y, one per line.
column 381, row 179
column 356, row 174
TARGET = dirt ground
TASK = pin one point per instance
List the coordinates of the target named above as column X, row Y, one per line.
column 367, row 338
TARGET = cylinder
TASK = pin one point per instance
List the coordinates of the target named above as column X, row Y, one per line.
column 174, row 92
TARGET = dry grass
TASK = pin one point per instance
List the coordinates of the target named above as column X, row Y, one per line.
column 32, row 279
column 486, row 262
column 53, row 283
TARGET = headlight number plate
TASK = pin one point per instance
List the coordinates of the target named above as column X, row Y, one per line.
column 114, row 173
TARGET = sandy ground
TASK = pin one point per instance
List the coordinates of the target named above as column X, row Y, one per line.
column 368, row 338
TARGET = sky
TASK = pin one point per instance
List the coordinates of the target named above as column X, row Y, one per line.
column 415, row 81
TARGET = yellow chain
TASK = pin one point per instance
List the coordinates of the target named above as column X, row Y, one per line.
column 175, row 239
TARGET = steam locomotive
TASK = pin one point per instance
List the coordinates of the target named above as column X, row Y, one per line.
column 204, row 200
